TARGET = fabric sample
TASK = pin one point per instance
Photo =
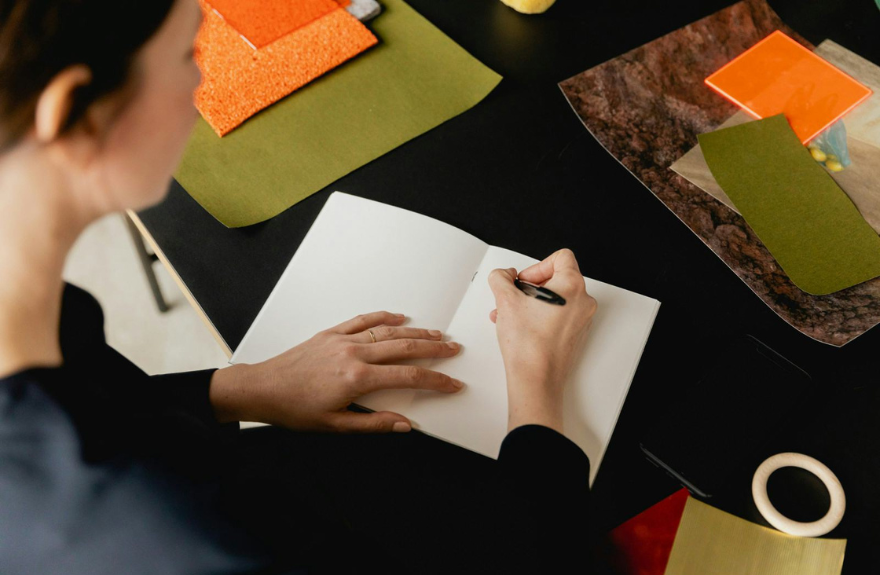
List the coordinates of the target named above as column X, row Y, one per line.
column 261, row 22
column 806, row 221
column 415, row 80
column 646, row 108
column 779, row 76
column 238, row 82
column 712, row 542
column 860, row 181
column 364, row 10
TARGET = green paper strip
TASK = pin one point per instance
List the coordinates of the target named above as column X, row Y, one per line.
column 806, row 221
column 414, row 80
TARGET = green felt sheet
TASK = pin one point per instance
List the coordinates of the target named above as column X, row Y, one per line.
column 806, row 221
column 414, row 80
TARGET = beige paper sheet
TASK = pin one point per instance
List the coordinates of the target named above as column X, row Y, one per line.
column 863, row 122
column 860, row 181
column 712, row 542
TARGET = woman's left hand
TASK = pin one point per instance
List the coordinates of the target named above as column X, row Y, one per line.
column 310, row 387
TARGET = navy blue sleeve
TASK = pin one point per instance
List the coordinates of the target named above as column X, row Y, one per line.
column 180, row 396
column 541, row 461
column 188, row 390
column 549, row 477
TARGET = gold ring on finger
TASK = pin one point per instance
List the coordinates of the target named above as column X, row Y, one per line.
column 372, row 337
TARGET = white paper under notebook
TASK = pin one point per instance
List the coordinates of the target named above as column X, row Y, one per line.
column 362, row 256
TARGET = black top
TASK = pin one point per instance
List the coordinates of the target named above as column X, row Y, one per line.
column 106, row 469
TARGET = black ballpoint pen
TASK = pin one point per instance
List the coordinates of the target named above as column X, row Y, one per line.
column 539, row 292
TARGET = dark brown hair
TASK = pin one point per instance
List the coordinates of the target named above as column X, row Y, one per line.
column 40, row 38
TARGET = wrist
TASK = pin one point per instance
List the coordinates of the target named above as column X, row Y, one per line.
column 534, row 402
column 232, row 393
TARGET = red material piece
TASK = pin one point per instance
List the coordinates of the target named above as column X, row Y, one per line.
column 642, row 545
column 261, row 22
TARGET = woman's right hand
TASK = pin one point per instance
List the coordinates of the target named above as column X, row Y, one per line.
column 540, row 342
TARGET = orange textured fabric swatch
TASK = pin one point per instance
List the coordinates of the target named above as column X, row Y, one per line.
column 262, row 22
column 238, row 82
column 779, row 76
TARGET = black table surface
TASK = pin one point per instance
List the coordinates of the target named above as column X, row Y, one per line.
column 520, row 171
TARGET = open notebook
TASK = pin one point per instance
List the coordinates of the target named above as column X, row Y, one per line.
column 362, row 256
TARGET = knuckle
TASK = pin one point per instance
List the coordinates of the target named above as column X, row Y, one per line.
column 360, row 372
column 589, row 311
column 355, row 374
column 385, row 332
column 592, row 305
column 407, row 345
column 413, row 374
column 349, row 350
column 572, row 281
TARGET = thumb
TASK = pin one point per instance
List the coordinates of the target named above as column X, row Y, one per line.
column 378, row 422
column 501, row 282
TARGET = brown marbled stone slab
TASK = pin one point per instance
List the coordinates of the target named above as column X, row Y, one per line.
column 646, row 108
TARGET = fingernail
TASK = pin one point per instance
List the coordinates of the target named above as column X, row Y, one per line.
column 434, row 333
column 399, row 315
column 401, row 427
column 457, row 384
column 453, row 346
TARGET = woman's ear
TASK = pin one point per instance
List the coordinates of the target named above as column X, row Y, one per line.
column 56, row 101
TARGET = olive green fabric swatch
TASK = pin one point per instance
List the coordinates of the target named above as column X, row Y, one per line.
column 414, row 80
column 712, row 542
column 806, row 221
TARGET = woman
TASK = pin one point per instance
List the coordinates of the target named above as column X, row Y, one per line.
column 104, row 469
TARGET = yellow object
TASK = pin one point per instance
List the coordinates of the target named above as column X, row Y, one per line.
column 818, row 154
column 710, row 541
column 833, row 165
column 529, row 6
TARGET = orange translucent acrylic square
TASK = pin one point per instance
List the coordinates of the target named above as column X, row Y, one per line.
column 262, row 22
column 778, row 75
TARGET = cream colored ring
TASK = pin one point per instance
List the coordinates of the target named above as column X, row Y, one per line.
column 777, row 519
column 372, row 337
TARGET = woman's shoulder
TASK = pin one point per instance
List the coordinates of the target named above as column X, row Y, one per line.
column 65, row 511
column 82, row 321
column 75, row 299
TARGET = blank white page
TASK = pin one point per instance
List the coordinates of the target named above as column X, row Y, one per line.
column 362, row 256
